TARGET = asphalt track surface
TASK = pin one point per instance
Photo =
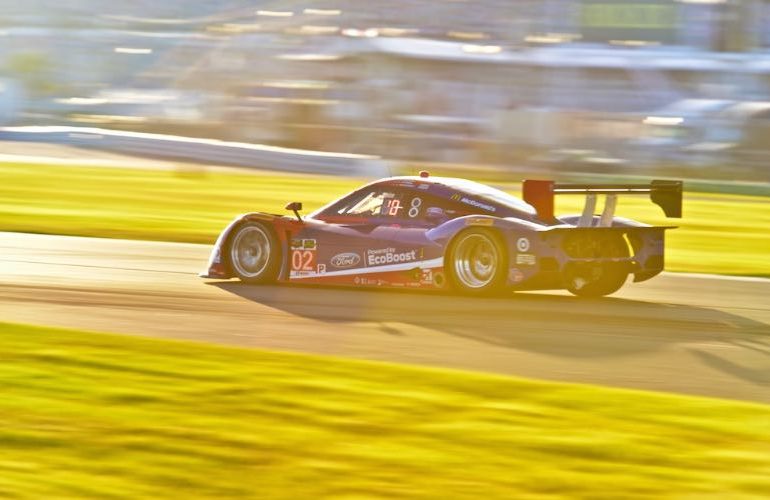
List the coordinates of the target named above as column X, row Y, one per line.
column 691, row 334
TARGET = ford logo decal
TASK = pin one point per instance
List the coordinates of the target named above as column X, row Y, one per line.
column 343, row 260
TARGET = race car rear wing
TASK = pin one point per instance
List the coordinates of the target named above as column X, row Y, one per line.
column 540, row 194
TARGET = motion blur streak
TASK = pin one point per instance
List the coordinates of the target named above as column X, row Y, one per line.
column 680, row 333
column 562, row 84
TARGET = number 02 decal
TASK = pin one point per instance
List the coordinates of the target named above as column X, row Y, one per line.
column 302, row 260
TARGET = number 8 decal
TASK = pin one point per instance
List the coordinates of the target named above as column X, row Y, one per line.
column 414, row 211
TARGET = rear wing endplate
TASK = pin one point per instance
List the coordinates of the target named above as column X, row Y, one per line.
column 540, row 194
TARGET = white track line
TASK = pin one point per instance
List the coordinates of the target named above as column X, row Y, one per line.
column 751, row 279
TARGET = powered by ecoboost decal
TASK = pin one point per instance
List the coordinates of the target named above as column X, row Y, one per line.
column 345, row 260
column 389, row 256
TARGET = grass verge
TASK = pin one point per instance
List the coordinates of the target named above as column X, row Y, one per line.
column 719, row 233
column 107, row 416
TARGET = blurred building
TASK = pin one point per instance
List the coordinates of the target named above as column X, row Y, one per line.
column 489, row 80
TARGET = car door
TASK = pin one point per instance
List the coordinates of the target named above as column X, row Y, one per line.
column 345, row 234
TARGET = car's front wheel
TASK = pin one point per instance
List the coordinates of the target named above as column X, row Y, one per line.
column 477, row 262
column 255, row 256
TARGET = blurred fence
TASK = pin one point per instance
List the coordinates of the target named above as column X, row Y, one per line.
column 209, row 151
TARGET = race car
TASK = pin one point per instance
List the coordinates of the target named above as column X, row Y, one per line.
column 453, row 234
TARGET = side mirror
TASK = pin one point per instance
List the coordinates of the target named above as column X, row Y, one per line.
column 295, row 206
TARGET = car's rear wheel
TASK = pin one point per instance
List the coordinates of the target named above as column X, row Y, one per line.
column 255, row 256
column 597, row 279
column 477, row 262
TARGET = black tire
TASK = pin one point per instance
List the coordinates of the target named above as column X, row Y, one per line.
column 600, row 279
column 477, row 262
column 254, row 253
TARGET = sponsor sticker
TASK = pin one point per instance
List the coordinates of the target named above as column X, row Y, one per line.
column 303, row 244
column 423, row 186
column 477, row 204
column 515, row 275
column 479, row 222
column 345, row 260
column 362, row 280
column 321, row 269
column 522, row 244
column 384, row 256
column 526, row 259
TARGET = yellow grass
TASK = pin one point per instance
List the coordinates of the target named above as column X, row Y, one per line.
column 103, row 416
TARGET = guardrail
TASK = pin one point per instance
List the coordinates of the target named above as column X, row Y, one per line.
column 210, row 151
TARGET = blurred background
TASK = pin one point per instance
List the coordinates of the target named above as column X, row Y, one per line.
column 680, row 87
